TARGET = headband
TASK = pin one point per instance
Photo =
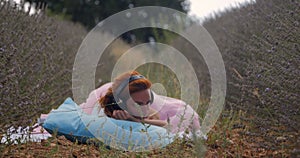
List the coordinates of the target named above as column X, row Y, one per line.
column 126, row 82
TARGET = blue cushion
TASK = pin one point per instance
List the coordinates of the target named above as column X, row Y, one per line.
column 69, row 120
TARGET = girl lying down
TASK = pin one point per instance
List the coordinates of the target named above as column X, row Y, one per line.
column 129, row 97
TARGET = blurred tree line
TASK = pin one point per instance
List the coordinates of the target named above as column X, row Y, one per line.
column 90, row 12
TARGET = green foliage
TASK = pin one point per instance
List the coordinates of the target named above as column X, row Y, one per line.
column 91, row 12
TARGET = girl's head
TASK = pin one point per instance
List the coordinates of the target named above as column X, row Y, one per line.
column 131, row 92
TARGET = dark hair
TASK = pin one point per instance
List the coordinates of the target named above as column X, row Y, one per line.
column 108, row 101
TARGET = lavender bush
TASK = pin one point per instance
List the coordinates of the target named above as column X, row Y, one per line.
column 260, row 46
column 37, row 54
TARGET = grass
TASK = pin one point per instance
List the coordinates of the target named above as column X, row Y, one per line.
column 231, row 137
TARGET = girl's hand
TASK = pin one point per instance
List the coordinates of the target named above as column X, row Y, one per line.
column 122, row 115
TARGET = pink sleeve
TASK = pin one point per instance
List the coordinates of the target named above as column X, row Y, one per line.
column 93, row 98
column 180, row 114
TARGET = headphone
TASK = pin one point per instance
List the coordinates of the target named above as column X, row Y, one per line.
column 124, row 84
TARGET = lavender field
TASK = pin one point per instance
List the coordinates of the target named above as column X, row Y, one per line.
column 260, row 45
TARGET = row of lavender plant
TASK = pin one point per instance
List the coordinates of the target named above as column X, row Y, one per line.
column 260, row 46
column 37, row 55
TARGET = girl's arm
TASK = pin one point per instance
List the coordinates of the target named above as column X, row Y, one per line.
column 154, row 119
column 154, row 122
column 154, row 115
column 124, row 115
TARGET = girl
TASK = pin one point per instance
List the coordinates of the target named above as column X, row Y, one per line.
column 129, row 98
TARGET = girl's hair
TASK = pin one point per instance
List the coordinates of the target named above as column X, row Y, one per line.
column 108, row 102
